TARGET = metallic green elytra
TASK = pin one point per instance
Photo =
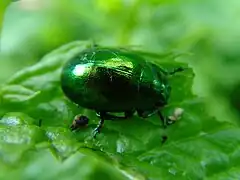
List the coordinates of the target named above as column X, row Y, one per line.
column 110, row 80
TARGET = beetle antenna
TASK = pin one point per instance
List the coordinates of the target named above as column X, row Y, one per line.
column 175, row 70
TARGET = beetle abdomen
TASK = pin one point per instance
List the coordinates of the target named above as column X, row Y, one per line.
column 102, row 83
column 110, row 80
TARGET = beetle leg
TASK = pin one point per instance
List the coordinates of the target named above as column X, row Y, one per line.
column 103, row 116
column 175, row 70
column 146, row 114
column 128, row 114
column 163, row 119
column 97, row 130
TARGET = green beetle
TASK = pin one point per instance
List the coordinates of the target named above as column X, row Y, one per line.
column 111, row 80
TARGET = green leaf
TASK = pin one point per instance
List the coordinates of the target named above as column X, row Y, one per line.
column 35, row 140
column 23, row 94
column 17, row 118
column 3, row 6
column 195, row 148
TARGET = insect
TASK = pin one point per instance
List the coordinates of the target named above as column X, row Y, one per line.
column 111, row 80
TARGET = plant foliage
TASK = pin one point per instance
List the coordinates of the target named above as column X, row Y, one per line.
column 203, row 144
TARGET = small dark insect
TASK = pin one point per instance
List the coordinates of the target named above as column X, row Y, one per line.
column 79, row 121
column 111, row 80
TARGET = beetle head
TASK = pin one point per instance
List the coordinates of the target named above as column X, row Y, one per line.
column 162, row 87
column 164, row 94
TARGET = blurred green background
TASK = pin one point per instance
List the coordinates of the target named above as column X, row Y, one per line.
column 206, row 32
